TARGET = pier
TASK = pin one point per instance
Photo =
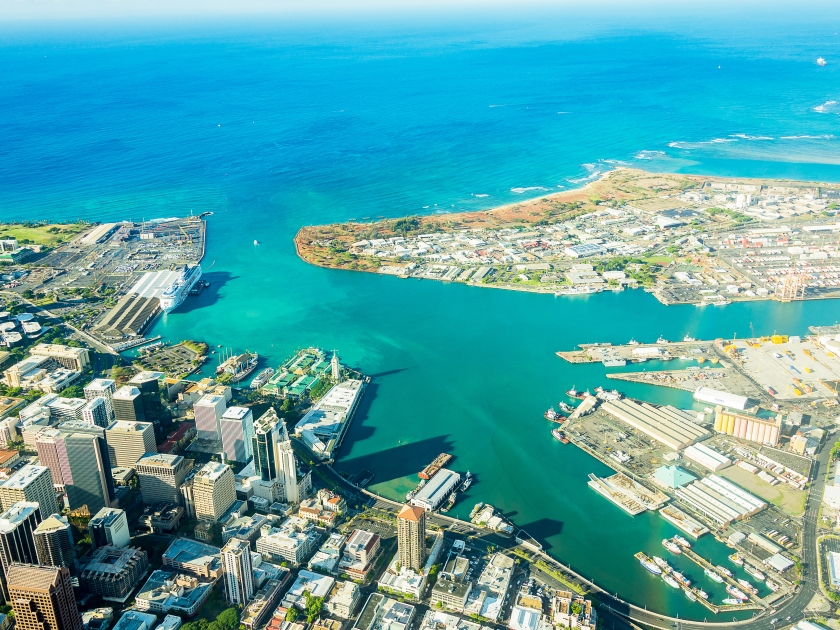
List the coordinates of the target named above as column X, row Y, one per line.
column 687, row 380
column 756, row 602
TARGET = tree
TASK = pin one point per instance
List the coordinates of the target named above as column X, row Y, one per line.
column 576, row 608
column 74, row 391
column 292, row 614
column 228, row 619
column 313, row 607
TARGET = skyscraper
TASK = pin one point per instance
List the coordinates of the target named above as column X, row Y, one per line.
column 237, row 427
column 129, row 441
column 288, row 466
column 128, row 404
column 102, row 388
column 214, row 491
column 54, row 543
column 95, row 412
column 239, row 580
column 149, row 385
column 109, row 527
column 208, row 415
column 30, row 483
column 411, row 537
column 42, row 598
column 274, row 459
column 77, row 456
column 17, row 541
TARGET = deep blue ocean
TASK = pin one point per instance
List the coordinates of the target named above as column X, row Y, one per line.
column 273, row 125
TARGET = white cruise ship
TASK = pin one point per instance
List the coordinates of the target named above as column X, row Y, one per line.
column 176, row 292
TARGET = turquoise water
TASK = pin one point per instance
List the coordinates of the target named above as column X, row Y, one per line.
column 275, row 126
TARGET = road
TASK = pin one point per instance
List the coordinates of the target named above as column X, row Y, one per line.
column 617, row 609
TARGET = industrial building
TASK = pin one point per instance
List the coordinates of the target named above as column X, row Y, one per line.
column 672, row 427
column 707, row 457
column 436, row 490
column 748, row 427
column 717, row 397
column 720, row 500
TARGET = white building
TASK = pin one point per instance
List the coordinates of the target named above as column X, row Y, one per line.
column 292, row 541
column 239, row 579
column 102, row 388
column 95, row 412
column 208, row 416
column 716, row 397
column 237, row 430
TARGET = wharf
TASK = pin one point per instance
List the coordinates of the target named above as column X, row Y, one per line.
column 639, row 353
column 629, row 495
column 687, row 380
column 756, row 603
column 683, row 521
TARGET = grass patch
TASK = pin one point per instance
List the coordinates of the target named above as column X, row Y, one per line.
column 659, row 260
column 49, row 234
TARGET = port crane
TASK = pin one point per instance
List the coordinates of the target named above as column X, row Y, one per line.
column 186, row 235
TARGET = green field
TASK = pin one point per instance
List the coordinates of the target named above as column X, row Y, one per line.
column 49, row 234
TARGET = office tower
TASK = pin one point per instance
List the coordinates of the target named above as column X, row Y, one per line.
column 54, row 543
column 214, row 491
column 269, row 430
column 109, row 527
column 208, row 415
column 411, row 537
column 95, row 412
column 77, row 456
column 149, row 385
column 129, row 441
column 71, row 358
column 161, row 476
column 128, row 404
column 103, row 388
column 17, row 541
column 30, row 483
column 42, row 598
column 288, row 466
column 239, row 580
column 64, row 409
column 237, row 428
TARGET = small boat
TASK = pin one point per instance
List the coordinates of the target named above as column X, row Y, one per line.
column 689, row 594
column 449, row 502
column 748, row 587
column 476, row 509
column 729, row 601
column 559, row 436
column 671, row 546
column 736, row 559
column 713, row 576
column 737, row 593
column 758, row 575
column 670, row 581
column 700, row 593
column 648, row 564
column 663, row 564
column 662, row 340
column 682, row 542
column 256, row 242
column 688, row 339
column 468, row 479
column 772, row 586
column 632, row 342
column 679, row 577
column 724, row 570
column 821, row 62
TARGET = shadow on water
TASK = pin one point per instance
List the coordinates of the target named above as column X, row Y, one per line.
column 359, row 431
column 389, row 372
column 399, row 461
column 208, row 296
column 543, row 529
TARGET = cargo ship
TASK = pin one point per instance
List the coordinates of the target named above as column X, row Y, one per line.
column 440, row 461
column 175, row 294
column 262, row 378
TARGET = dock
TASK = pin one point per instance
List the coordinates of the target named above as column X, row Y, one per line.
column 687, row 380
column 683, row 521
column 629, row 495
column 756, row 603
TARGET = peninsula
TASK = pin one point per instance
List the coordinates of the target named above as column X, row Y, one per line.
column 687, row 238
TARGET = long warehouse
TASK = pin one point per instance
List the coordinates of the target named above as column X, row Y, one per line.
column 436, row 490
column 667, row 425
column 720, row 500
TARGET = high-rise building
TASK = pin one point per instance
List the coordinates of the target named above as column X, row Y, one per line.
column 42, row 598
column 109, row 527
column 77, row 456
column 269, row 430
column 128, row 404
column 411, row 537
column 102, row 388
column 214, row 491
column 149, row 385
column 54, row 543
column 17, row 542
column 239, row 579
column 237, row 428
column 129, row 441
column 70, row 357
column 208, row 415
column 161, row 476
column 30, row 483
column 95, row 412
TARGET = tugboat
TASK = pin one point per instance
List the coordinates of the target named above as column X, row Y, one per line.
column 468, row 479
column 725, row 571
column 662, row 340
column 670, row 581
column 688, row 339
column 553, row 416
column 565, row 408
column 671, row 546
column 682, row 542
column 713, row 576
column 736, row 559
column 559, row 436
column 573, row 393
column 632, row 342
column 449, row 502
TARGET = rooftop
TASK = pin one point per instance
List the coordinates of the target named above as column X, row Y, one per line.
column 22, row 478
column 411, row 513
column 16, row 514
column 236, row 413
column 159, row 459
column 212, row 471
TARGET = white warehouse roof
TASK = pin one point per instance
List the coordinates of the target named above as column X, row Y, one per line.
column 707, row 457
column 716, row 397
column 667, row 425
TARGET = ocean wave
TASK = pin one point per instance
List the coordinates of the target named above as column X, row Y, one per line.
column 681, row 144
column 826, row 108
column 525, row 189
column 744, row 136
column 480, row 195
column 826, row 136
column 491, row 106
column 564, row 112
column 588, row 178
column 648, row 155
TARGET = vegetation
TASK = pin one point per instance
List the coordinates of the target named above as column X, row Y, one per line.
column 292, row 614
column 321, row 387
column 227, row 619
column 41, row 233
column 405, row 225
column 199, row 347
column 73, row 391
column 734, row 215
column 313, row 607
column 576, row 608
